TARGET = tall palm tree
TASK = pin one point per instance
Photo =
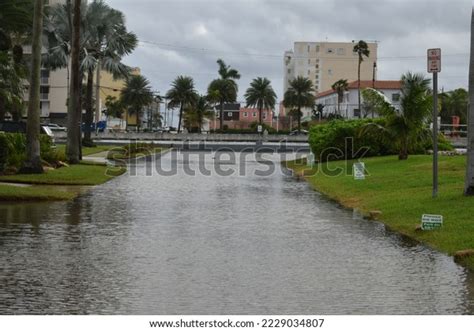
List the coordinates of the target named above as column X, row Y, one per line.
column 199, row 110
column 224, row 89
column 104, row 42
column 136, row 95
column 404, row 128
column 362, row 49
column 33, row 157
column 340, row 87
column 260, row 94
column 300, row 94
column 469, row 187
column 73, row 146
column 182, row 94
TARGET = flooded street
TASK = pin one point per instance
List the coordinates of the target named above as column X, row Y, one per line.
column 215, row 244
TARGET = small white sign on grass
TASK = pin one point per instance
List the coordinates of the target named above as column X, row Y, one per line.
column 431, row 222
column 359, row 171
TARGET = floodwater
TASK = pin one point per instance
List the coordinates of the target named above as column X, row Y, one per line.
column 242, row 243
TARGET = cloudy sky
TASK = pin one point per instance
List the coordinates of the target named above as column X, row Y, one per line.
column 186, row 37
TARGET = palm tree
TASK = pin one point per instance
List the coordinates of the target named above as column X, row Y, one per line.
column 33, row 156
column 182, row 94
column 469, row 187
column 340, row 87
column 300, row 95
column 224, row 89
column 407, row 127
column 260, row 94
column 454, row 103
column 200, row 110
column 136, row 95
column 104, row 42
column 362, row 49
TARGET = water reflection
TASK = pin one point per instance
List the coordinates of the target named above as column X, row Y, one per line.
column 221, row 245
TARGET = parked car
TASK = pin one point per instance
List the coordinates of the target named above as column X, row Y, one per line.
column 56, row 127
column 301, row 133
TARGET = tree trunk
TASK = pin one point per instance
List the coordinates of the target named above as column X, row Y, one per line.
column 403, row 153
column 469, row 188
column 180, row 117
column 260, row 115
column 97, row 94
column 2, row 109
column 221, row 120
column 137, row 111
column 33, row 157
column 358, row 85
column 16, row 113
column 299, row 119
column 74, row 109
column 87, row 141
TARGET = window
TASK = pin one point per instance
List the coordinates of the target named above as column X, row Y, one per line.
column 309, row 48
column 317, row 76
column 330, row 72
column 254, row 114
column 317, row 66
column 396, row 97
column 44, row 92
column 246, row 114
column 317, row 49
column 309, row 72
column 330, row 51
column 264, row 115
column 309, row 61
column 340, row 51
column 289, row 71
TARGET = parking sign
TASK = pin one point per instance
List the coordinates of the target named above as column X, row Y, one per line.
column 434, row 60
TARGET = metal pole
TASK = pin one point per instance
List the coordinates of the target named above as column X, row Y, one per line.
column 435, row 134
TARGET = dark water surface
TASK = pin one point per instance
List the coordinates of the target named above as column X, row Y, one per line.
column 215, row 245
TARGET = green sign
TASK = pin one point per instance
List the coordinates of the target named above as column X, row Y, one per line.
column 431, row 222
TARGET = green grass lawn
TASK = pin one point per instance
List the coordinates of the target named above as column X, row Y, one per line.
column 81, row 174
column 402, row 191
column 12, row 193
column 86, row 151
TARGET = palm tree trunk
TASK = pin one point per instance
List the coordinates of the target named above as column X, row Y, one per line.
column 469, row 189
column 74, row 109
column 221, row 120
column 137, row 111
column 299, row 119
column 33, row 157
column 180, row 117
column 97, row 94
column 358, row 85
column 87, row 141
column 260, row 115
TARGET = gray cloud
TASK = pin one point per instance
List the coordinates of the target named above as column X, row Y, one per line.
column 190, row 35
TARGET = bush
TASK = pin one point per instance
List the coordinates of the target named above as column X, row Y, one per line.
column 332, row 140
column 13, row 150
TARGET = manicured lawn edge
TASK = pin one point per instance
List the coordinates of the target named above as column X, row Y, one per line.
column 32, row 194
column 401, row 190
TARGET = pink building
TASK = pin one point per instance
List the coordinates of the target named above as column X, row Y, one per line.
column 250, row 115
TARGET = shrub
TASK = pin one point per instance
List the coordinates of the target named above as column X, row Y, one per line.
column 329, row 141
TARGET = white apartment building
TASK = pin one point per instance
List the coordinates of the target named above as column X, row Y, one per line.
column 349, row 107
column 324, row 63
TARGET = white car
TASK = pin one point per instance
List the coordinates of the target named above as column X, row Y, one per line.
column 56, row 127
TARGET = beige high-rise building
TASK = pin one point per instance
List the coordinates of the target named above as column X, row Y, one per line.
column 327, row 62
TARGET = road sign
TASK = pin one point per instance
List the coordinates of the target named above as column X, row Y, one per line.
column 434, row 60
column 260, row 129
column 359, row 171
column 431, row 222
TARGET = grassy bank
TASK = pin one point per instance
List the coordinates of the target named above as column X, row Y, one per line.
column 80, row 174
column 86, row 151
column 13, row 193
column 401, row 190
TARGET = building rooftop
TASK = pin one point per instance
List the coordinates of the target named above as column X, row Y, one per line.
column 379, row 85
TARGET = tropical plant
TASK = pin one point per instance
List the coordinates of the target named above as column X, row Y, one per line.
column 115, row 108
column 182, row 94
column 104, row 42
column 224, row 89
column 300, row 94
column 200, row 110
column 454, row 103
column 261, row 95
column 136, row 95
column 405, row 128
column 317, row 111
column 340, row 87
column 33, row 158
column 469, row 186
column 374, row 102
column 362, row 49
